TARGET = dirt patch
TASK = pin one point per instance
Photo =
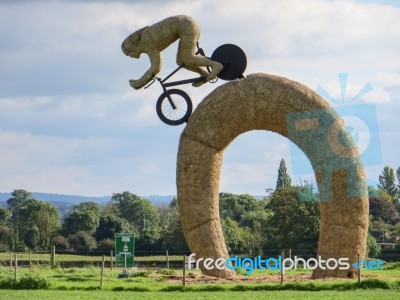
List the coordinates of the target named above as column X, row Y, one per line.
column 192, row 278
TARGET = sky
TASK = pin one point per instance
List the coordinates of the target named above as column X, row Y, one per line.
column 71, row 124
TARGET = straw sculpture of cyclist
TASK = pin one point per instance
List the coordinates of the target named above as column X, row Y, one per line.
column 155, row 38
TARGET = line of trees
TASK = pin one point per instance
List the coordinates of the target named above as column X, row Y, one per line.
column 278, row 221
column 384, row 207
column 31, row 224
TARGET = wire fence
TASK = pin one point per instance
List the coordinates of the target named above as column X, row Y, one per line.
column 147, row 259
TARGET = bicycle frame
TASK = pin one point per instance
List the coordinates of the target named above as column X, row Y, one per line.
column 174, row 83
column 179, row 82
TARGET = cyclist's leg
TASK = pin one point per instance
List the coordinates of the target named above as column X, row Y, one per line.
column 196, row 69
column 193, row 62
column 187, row 44
column 188, row 58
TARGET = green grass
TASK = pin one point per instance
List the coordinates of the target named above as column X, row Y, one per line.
column 82, row 283
column 232, row 295
column 157, row 280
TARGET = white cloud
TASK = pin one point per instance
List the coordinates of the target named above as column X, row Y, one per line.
column 68, row 114
column 251, row 162
column 388, row 80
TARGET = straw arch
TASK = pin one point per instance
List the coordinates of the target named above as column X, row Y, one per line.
column 272, row 103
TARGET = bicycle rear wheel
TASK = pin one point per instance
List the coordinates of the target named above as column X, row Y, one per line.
column 234, row 60
column 176, row 112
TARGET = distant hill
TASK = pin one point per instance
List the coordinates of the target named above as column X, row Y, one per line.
column 48, row 197
column 159, row 200
column 65, row 203
column 75, row 199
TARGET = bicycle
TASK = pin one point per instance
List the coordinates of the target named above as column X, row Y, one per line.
column 174, row 106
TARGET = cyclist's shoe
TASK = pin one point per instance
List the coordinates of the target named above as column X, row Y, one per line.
column 214, row 71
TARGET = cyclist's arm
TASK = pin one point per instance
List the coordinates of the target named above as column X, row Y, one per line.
column 155, row 68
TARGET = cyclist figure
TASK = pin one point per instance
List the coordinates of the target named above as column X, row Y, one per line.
column 155, row 38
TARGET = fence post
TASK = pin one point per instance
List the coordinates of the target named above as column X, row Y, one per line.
column 52, row 256
column 290, row 253
column 111, row 260
column 30, row 259
column 184, row 270
column 359, row 269
column 102, row 272
column 166, row 253
column 15, row 269
column 283, row 257
column 11, row 260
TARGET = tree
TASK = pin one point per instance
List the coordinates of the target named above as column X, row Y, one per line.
column 398, row 177
column 147, row 220
column 387, row 182
column 4, row 216
column 60, row 242
column 141, row 214
column 174, row 202
column 80, row 221
column 373, row 191
column 237, row 239
column 43, row 217
column 235, row 206
column 373, row 248
column 84, row 217
column 284, row 179
column 294, row 224
column 82, row 241
column 123, row 203
column 384, row 210
column 398, row 188
column 19, row 197
column 34, row 222
column 88, row 206
column 14, row 203
column 106, row 245
column 308, row 192
column 172, row 233
column 257, row 222
column 5, row 237
column 31, row 237
column 109, row 225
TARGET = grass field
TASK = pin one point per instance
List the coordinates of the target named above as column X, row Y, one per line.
column 109, row 295
column 84, row 283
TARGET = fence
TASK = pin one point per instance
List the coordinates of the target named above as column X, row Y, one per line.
column 146, row 259
column 68, row 259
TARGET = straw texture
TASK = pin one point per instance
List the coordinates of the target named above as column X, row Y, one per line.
column 266, row 102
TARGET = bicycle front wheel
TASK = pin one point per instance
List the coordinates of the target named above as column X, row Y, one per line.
column 174, row 107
